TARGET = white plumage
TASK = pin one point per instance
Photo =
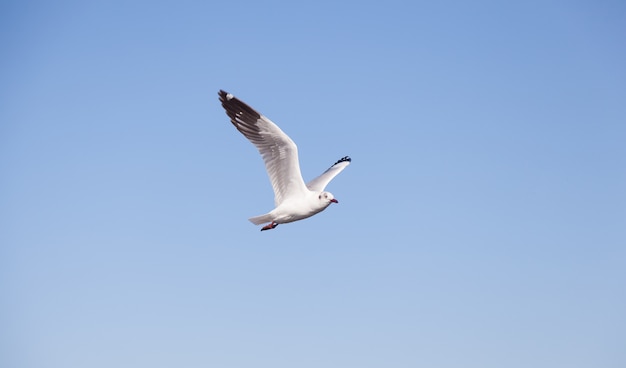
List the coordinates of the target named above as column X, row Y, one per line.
column 294, row 200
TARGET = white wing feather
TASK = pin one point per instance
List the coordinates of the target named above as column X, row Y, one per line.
column 279, row 152
column 318, row 184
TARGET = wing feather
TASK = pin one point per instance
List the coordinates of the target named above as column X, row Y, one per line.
column 318, row 184
column 278, row 151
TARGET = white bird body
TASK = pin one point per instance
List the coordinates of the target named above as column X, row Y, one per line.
column 293, row 209
column 293, row 199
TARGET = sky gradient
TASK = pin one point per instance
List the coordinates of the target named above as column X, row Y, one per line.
column 482, row 222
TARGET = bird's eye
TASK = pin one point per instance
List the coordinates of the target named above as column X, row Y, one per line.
column 325, row 195
column 319, row 196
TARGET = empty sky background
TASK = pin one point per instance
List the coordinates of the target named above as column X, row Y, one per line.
column 482, row 222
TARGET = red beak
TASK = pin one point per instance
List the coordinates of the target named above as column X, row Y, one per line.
column 334, row 200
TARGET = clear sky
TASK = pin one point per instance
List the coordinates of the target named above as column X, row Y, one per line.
column 482, row 222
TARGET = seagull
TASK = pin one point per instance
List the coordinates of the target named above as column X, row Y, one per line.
column 293, row 199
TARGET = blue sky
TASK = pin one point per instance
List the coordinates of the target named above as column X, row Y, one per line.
column 482, row 222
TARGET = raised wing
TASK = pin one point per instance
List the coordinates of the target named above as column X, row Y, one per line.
column 279, row 152
column 318, row 184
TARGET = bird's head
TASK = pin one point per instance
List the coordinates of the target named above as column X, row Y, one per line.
column 327, row 198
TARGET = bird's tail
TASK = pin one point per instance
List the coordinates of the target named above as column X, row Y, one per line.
column 260, row 220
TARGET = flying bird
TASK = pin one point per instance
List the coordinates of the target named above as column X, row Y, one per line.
column 293, row 199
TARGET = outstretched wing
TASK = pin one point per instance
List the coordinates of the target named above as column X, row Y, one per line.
column 318, row 184
column 279, row 152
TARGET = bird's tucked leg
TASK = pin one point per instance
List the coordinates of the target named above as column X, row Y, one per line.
column 270, row 226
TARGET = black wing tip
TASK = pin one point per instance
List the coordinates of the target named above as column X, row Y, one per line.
column 343, row 159
column 235, row 108
column 224, row 96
